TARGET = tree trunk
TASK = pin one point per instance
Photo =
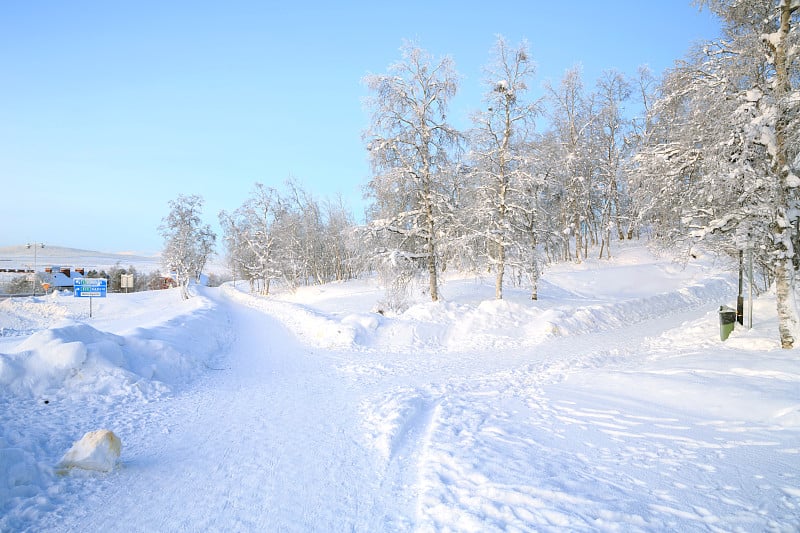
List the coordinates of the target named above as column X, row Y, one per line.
column 787, row 310
column 501, row 246
column 782, row 234
column 432, row 277
column 498, row 282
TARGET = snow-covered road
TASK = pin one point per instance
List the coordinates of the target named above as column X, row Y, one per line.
column 266, row 442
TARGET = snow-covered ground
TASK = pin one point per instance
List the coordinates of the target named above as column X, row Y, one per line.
column 609, row 404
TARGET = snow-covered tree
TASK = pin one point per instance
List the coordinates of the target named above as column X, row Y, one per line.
column 288, row 236
column 609, row 129
column 570, row 161
column 724, row 149
column 641, row 126
column 188, row 243
column 251, row 239
column 341, row 247
column 500, row 212
column 298, row 230
column 410, row 145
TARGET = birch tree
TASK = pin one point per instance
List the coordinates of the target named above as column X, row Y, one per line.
column 570, row 157
column 729, row 139
column 288, row 236
column 410, row 145
column 188, row 243
column 341, row 248
column 503, row 175
column 252, row 239
column 780, row 105
column 609, row 131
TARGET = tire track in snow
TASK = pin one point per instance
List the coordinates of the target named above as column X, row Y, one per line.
column 507, row 451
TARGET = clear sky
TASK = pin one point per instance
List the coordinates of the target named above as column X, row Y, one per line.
column 108, row 110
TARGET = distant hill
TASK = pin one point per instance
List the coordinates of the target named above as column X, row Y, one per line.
column 20, row 256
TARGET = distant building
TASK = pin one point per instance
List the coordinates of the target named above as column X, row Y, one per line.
column 61, row 278
column 162, row 282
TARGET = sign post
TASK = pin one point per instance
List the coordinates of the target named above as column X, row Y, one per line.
column 744, row 241
column 89, row 288
column 126, row 282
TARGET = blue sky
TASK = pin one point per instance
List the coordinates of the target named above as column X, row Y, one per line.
column 108, row 110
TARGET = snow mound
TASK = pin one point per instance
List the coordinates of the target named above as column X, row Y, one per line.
column 77, row 359
column 488, row 324
column 574, row 299
column 23, row 316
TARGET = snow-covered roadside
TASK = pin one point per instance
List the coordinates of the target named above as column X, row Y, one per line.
column 594, row 297
column 115, row 354
column 60, row 382
column 632, row 416
column 620, row 440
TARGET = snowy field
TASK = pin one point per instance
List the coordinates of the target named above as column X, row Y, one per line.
column 23, row 257
column 608, row 405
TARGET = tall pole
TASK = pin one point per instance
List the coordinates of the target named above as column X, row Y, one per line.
column 750, row 302
column 740, row 298
column 35, row 245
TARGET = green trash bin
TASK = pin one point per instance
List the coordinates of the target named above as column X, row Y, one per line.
column 727, row 319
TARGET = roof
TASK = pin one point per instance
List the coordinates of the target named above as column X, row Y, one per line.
column 59, row 279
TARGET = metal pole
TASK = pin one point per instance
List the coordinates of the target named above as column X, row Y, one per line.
column 750, row 299
column 739, row 298
column 33, row 279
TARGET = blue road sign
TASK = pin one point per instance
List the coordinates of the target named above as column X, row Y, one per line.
column 90, row 287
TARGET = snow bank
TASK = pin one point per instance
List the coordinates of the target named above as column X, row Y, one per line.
column 23, row 316
column 515, row 322
column 574, row 300
column 307, row 324
column 77, row 359
column 70, row 360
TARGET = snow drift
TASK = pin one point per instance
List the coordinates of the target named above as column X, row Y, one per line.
column 77, row 359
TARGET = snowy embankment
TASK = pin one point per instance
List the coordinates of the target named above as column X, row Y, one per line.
column 138, row 347
column 61, row 354
column 608, row 405
column 571, row 303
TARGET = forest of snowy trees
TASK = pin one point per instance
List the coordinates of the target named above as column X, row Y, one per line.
column 705, row 154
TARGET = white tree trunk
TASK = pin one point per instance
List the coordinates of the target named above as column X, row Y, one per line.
column 784, row 270
column 787, row 308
